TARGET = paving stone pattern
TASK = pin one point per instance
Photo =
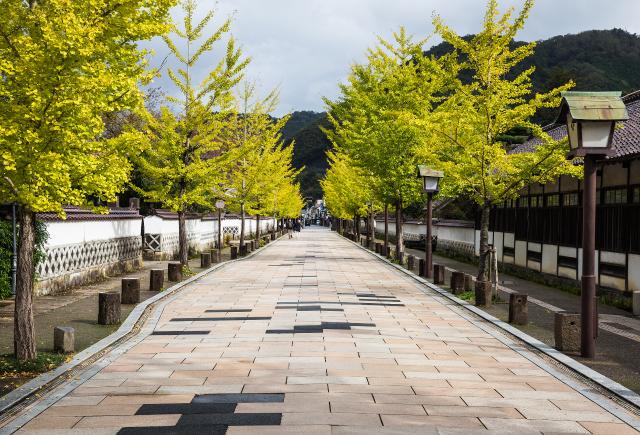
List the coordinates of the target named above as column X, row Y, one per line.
column 315, row 336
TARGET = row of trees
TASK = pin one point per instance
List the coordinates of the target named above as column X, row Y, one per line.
column 403, row 108
column 67, row 67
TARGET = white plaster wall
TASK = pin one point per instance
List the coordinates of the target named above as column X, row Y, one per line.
column 460, row 234
column 509, row 240
column 549, row 259
column 634, row 272
column 521, row 253
column 498, row 242
column 71, row 232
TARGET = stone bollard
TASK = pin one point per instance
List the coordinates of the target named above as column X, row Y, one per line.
column 438, row 274
column 234, row 252
column 64, row 339
column 422, row 268
column 175, row 272
column 566, row 331
column 636, row 303
column 400, row 257
column 378, row 247
column 156, row 280
column 411, row 262
column 242, row 249
column 468, row 282
column 109, row 308
column 518, row 309
column 457, row 282
column 483, row 293
column 205, row 259
column 215, row 255
column 130, row 293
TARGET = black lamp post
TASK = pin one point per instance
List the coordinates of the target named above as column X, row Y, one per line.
column 431, row 181
column 591, row 119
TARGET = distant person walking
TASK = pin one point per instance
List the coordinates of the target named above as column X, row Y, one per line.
column 296, row 226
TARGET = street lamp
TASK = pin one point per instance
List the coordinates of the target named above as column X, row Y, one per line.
column 430, row 184
column 591, row 119
column 371, row 228
column 220, row 206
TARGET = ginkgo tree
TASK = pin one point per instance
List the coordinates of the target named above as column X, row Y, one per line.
column 63, row 65
column 373, row 118
column 186, row 156
column 466, row 127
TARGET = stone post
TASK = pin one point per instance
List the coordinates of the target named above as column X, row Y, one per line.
column 468, row 282
column 518, row 309
column 64, row 339
column 636, row 303
column 457, row 282
column 483, row 293
column 243, row 250
column 566, row 331
column 422, row 270
column 109, row 308
column 175, row 272
column 438, row 274
column 234, row 252
column 130, row 290
column 411, row 262
column 205, row 260
column 156, row 280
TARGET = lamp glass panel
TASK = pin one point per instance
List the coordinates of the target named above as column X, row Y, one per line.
column 431, row 184
column 595, row 134
column 572, row 128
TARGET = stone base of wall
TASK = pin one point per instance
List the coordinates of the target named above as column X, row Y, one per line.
column 63, row 284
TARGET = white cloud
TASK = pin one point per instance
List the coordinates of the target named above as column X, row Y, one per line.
column 305, row 47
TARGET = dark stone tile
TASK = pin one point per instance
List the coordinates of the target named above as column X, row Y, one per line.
column 215, row 319
column 205, row 429
column 371, row 295
column 241, row 419
column 180, row 332
column 238, row 398
column 234, row 310
column 186, row 408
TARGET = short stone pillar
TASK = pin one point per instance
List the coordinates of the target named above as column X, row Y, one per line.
column 234, row 252
column 108, row 308
column 483, row 293
column 438, row 274
column 205, row 259
column 175, row 272
column 130, row 293
column 156, row 280
column 214, row 255
column 566, row 331
column 64, row 339
column 422, row 269
column 518, row 309
column 457, row 282
column 378, row 247
column 411, row 262
column 468, row 282
column 636, row 303
column 399, row 255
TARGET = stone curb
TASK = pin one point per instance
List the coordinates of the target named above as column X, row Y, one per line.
column 620, row 391
column 41, row 382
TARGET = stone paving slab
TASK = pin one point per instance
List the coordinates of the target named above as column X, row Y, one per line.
column 395, row 358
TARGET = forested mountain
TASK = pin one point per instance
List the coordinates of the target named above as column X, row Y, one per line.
column 596, row 60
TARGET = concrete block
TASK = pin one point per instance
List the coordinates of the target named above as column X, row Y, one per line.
column 130, row 291
column 518, row 309
column 438, row 274
column 175, row 272
column 468, row 282
column 64, row 339
column 636, row 303
column 156, row 280
column 108, row 308
column 205, row 259
column 411, row 262
column 422, row 270
column 566, row 331
column 234, row 252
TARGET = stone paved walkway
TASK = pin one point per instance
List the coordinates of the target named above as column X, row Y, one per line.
column 313, row 335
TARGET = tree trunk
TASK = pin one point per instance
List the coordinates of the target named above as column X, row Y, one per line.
column 399, row 230
column 257, row 228
column 24, row 339
column 372, row 229
column 183, row 243
column 386, row 228
column 242, row 224
column 274, row 227
column 484, row 242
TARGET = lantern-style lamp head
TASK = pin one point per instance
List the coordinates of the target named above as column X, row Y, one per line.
column 591, row 120
column 430, row 178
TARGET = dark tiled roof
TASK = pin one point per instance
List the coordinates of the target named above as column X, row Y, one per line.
column 626, row 139
column 83, row 214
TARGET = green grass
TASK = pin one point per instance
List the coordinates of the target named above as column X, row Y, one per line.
column 45, row 361
column 467, row 296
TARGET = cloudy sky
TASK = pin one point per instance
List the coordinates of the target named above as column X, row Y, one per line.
column 305, row 47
